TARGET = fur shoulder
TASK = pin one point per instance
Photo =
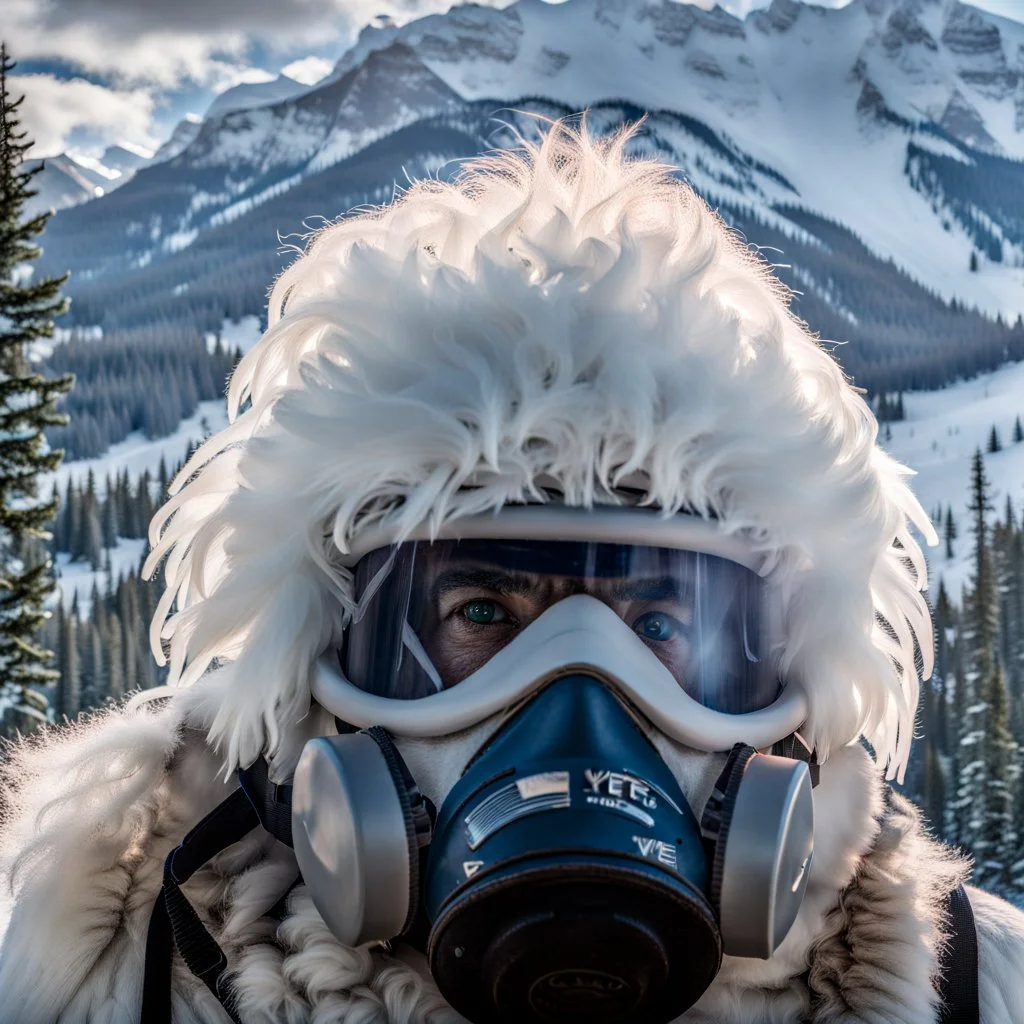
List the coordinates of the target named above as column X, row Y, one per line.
column 1000, row 958
column 91, row 811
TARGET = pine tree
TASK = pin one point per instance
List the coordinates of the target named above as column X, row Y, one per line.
column 949, row 531
column 115, row 664
column 88, row 543
column 994, row 444
column 933, row 786
column 68, row 699
column 108, row 517
column 27, row 408
column 1018, row 431
column 164, row 479
column 955, row 824
column 1014, row 625
column 942, row 676
column 974, row 262
column 995, row 845
column 981, row 621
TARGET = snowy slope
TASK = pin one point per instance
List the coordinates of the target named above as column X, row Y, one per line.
column 392, row 87
column 136, row 454
column 72, row 178
column 942, row 431
column 69, row 179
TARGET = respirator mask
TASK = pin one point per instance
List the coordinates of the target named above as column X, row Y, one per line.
column 564, row 878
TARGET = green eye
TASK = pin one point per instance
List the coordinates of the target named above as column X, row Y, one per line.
column 657, row 626
column 482, row 613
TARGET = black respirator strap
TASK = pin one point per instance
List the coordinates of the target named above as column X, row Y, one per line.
column 958, row 964
column 418, row 814
column 795, row 747
column 272, row 801
column 174, row 921
column 717, row 817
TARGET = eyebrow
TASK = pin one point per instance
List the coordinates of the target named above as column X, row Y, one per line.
column 487, row 579
column 649, row 590
column 665, row 588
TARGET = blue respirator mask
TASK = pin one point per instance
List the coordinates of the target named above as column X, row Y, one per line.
column 565, row 877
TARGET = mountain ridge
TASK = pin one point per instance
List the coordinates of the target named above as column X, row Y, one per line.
column 881, row 159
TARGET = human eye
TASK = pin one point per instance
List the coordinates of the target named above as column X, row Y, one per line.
column 658, row 626
column 482, row 611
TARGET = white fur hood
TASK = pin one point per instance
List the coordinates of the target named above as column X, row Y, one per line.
column 558, row 320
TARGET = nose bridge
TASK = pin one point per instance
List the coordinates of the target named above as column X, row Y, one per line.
column 565, row 587
column 573, row 714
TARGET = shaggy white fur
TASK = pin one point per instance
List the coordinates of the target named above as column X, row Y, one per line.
column 562, row 316
column 569, row 315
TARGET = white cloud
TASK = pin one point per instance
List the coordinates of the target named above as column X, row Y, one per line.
column 91, row 45
column 54, row 107
column 252, row 76
column 309, row 70
column 169, row 42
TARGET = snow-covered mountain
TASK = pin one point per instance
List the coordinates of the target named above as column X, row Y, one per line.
column 62, row 182
column 250, row 95
column 184, row 134
column 877, row 148
column 827, row 97
column 123, row 158
column 72, row 178
column 892, row 117
column 392, row 87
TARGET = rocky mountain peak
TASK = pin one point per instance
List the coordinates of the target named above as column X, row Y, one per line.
column 904, row 28
column 184, row 134
column 471, row 32
column 968, row 32
column 465, row 32
column 962, row 120
column 778, row 16
column 674, row 22
column 977, row 44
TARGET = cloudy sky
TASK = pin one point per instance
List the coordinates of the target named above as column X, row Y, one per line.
column 101, row 71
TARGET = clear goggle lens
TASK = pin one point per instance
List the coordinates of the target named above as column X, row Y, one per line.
column 430, row 615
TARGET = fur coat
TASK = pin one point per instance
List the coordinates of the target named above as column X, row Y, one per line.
column 94, row 810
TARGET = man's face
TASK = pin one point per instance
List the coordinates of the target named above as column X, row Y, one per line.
column 474, row 610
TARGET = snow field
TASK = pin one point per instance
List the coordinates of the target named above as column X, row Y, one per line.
column 937, row 439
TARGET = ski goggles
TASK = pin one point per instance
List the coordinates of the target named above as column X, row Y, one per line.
column 672, row 612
